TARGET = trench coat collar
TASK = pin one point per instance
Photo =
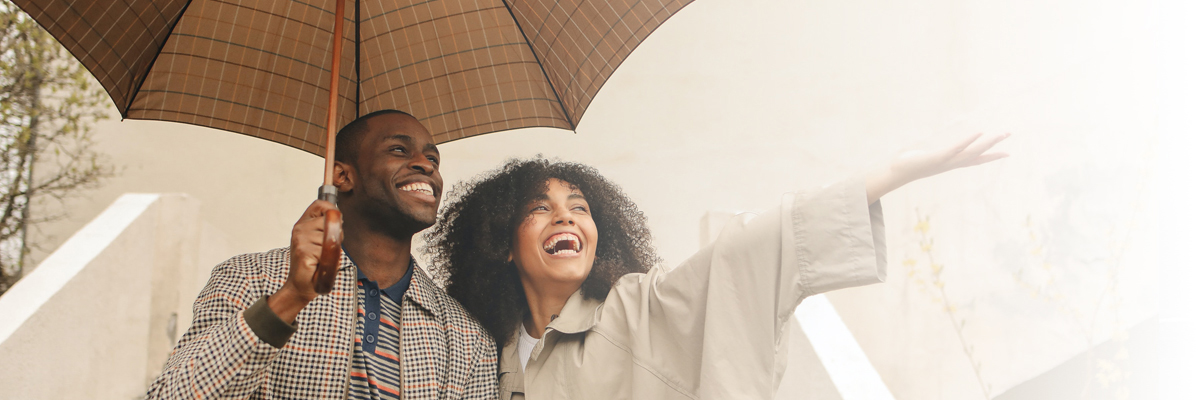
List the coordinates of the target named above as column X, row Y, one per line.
column 578, row 315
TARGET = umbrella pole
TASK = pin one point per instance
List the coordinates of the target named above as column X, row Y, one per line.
column 331, row 249
column 327, row 190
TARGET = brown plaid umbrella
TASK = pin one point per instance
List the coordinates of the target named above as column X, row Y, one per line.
column 264, row 67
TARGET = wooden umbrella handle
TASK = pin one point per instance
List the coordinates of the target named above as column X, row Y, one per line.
column 331, row 253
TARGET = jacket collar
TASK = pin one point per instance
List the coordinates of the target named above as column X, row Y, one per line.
column 578, row 315
column 420, row 289
column 421, row 292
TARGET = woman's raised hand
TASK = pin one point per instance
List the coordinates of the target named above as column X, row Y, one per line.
column 912, row 165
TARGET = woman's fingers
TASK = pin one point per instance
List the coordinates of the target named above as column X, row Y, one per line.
column 974, row 150
column 986, row 144
column 983, row 159
column 953, row 151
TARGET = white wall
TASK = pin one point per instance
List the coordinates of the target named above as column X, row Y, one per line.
column 98, row 318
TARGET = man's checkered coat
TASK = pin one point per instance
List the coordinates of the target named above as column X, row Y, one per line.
column 447, row 354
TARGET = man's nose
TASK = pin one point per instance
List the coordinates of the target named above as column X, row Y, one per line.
column 423, row 165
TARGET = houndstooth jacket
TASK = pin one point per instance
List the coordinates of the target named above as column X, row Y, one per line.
column 447, row 354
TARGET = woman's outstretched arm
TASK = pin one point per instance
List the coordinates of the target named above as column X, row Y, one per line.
column 728, row 305
column 917, row 164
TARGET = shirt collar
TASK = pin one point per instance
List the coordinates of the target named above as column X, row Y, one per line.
column 397, row 290
column 420, row 286
column 578, row 315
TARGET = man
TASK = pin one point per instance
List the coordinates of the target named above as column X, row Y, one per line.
column 384, row 331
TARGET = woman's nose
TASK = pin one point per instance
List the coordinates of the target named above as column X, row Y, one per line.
column 564, row 218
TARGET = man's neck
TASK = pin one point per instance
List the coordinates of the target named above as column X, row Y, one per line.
column 382, row 258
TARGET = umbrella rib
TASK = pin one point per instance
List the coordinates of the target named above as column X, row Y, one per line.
column 146, row 74
column 357, row 58
column 540, row 65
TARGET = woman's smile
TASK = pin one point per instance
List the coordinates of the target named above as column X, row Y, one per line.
column 565, row 244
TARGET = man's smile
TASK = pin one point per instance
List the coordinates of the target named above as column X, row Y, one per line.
column 421, row 190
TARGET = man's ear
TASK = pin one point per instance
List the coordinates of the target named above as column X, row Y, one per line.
column 344, row 177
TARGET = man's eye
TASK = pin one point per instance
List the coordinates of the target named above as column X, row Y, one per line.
column 433, row 160
column 399, row 149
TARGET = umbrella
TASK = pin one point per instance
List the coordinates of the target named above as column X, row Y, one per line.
column 264, row 67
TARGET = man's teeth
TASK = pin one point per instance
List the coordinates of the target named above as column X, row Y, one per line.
column 418, row 187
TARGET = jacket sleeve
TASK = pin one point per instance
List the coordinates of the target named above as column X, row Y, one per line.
column 718, row 319
column 221, row 356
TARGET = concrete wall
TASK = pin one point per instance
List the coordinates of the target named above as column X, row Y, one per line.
column 98, row 318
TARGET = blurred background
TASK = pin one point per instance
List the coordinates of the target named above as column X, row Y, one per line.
column 1058, row 273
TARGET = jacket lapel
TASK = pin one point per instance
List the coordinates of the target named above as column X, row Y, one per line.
column 423, row 342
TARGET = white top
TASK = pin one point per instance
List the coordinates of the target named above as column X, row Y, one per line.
column 525, row 344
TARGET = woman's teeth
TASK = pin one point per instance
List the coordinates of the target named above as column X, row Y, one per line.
column 563, row 243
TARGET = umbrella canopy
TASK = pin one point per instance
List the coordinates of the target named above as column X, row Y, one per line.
column 262, row 68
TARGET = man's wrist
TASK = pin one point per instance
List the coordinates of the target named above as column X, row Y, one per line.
column 287, row 303
column 267, row 325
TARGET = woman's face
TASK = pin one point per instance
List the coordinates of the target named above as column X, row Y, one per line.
column 556, row 244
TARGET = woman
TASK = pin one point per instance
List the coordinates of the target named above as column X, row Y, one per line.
column 557, row 265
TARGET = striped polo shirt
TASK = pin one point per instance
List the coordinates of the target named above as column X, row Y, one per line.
column 375, row 366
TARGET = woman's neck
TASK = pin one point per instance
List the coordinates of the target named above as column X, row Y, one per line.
column 544, row 306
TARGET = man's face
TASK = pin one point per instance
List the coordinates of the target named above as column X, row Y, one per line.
column 398, row 177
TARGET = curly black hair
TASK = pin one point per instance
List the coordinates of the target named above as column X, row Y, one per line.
column 470, row 244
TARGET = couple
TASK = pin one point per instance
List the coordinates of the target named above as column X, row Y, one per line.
column 552, row 286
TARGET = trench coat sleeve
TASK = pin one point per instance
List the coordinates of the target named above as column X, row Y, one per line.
column 220, row 356
column 713, row 327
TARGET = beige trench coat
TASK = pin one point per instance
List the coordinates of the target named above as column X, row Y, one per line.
column 713, row 327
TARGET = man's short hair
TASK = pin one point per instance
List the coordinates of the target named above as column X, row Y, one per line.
column 349, row 139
